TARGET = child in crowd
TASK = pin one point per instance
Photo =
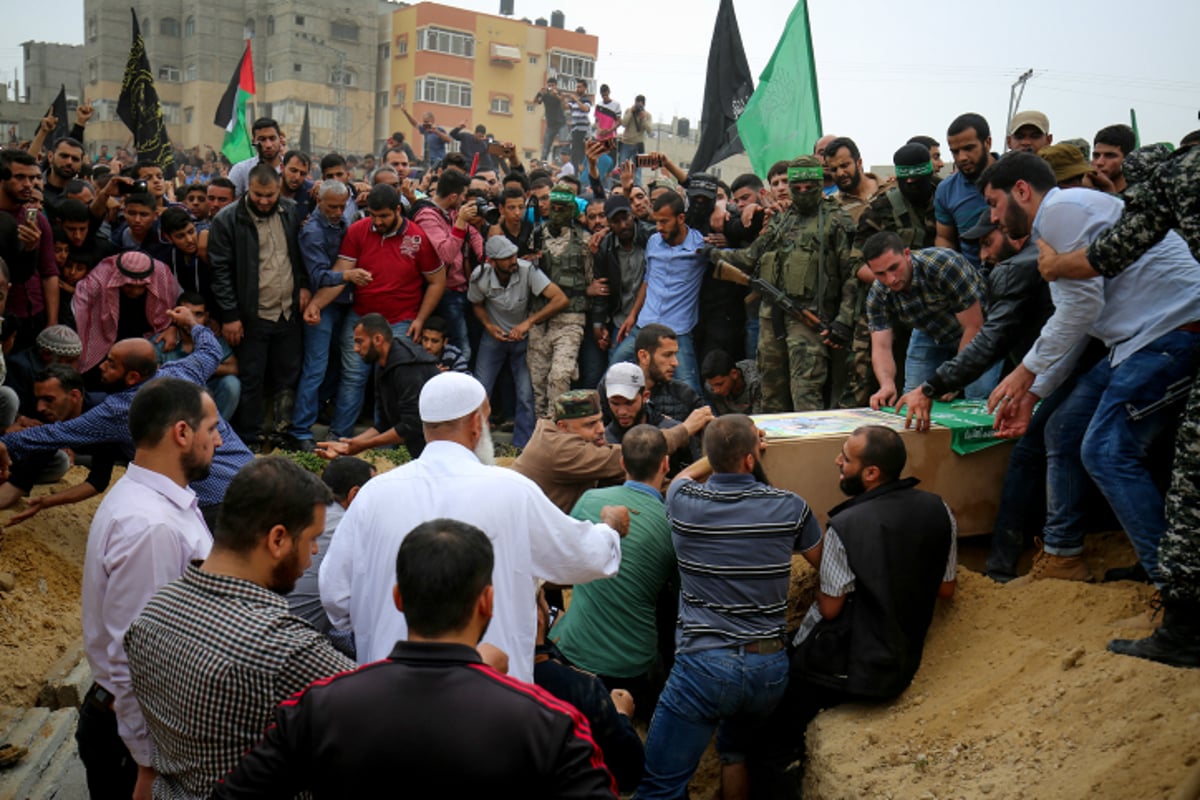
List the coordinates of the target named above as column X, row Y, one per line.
column 435, row 340
column 70, row 272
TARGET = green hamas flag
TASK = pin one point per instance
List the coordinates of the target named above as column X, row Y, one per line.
column 139, row 109
column 783, row 118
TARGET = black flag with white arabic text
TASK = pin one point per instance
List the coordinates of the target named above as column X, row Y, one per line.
column 727, row 89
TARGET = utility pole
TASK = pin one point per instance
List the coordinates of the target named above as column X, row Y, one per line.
column 339, row 143
column 1014, row 100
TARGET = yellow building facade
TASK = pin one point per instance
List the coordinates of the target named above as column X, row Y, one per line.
column 470, row 69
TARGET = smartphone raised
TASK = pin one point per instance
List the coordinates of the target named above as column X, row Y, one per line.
column 31, row 216
column 496, row 149
column 648, row 161
column 137, row 187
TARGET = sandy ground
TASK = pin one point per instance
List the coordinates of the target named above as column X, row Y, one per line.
column 40, row 616
column 1016, row 696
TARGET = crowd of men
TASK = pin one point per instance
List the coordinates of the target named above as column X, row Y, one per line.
column 182, row 327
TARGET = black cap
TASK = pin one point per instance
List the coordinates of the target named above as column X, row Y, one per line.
column 702, row 185
column 614, row 205
column 981, row 229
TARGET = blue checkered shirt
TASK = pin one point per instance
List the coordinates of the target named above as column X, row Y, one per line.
column 109, row 423
column 944, row 284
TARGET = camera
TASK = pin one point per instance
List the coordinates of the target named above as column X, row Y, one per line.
column 487, row 210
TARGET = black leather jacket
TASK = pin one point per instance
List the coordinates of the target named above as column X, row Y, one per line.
column 1018, row 306
column 233, row 256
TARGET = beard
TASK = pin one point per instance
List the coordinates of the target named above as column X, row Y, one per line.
column 852, row 184
column 285, row 574
column 852, row 485
column 195, row 466
column 760, row 474
column 1005, row 251
column 1016, row 221
column 485, row 449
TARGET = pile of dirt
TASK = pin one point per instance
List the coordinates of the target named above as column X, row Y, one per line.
column 40, row 615
column 1017, row 697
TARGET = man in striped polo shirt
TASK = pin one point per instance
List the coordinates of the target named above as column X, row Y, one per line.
column 734, row 537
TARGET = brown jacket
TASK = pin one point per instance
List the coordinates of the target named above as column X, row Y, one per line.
column 565, row 466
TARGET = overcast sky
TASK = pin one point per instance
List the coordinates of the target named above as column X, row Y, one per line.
column 887, row 70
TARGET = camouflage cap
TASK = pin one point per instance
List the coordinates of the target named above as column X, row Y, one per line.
column 1082, row 144
column 577, row 404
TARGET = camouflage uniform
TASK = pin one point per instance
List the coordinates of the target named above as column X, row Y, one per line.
column 553, row 352
column 887, row 211
column 808, row 257
column 1168, row 199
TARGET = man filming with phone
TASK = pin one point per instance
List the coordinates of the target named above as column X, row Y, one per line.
column 636, row 122
column 555, row 117
column 27, row 246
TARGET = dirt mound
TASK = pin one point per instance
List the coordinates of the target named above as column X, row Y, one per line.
column 40, row 615
column 1018, row 698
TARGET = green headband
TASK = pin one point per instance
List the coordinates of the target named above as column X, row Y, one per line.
column 914, row 170
column 562, row 197
column 799, row 174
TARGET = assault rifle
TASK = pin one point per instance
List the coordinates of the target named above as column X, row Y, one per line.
column 834, row 333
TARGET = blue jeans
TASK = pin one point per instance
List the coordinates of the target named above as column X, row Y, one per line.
column 724, row 687
column 354, row 378
column 336, row 318
column 453, row 307
column 492, row 356
column 925, row 356
column 226, row 391
column 1105, row 427
column 751, row 336
column 593, row 362
column 688, row 369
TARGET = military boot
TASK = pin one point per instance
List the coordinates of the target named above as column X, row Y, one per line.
column 1176, row 642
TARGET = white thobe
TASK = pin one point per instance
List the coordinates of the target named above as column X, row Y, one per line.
column 531, row 537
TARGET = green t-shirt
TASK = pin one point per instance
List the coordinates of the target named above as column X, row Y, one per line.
column 610, row 626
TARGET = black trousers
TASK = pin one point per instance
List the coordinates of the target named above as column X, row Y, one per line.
column 269, row 357
column 111, row 770
column 780, row 741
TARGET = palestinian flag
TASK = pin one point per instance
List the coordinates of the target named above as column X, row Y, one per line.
column 231, row 113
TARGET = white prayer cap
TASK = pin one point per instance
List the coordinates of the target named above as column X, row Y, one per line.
column 449, row 396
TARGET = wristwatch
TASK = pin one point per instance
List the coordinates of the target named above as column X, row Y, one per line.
column 928, row 390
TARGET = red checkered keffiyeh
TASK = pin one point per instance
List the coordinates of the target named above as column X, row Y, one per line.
column 97, row 301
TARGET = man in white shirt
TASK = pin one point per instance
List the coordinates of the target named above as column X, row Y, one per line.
column 269, row 146
column 453, row 478
column 142, row 537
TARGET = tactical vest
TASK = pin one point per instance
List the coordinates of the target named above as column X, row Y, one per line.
column 563, row 261
column 800, row 264
column 909, row 224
